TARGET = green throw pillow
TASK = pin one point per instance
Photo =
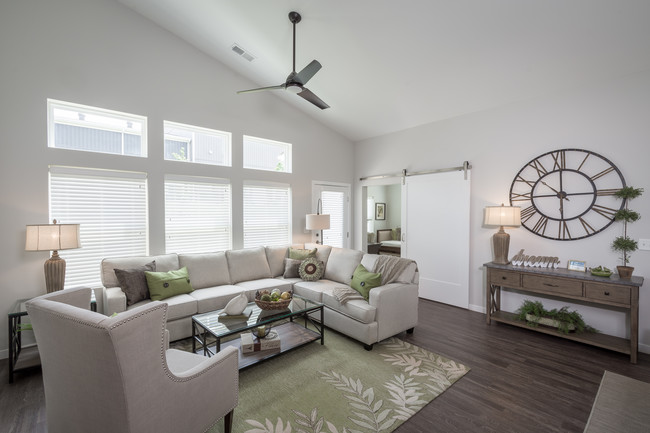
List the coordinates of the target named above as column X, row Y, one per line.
column 363, row 281
column 163, row 285
column 298, row 254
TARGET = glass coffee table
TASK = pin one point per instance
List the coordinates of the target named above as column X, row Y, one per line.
column 210, row 330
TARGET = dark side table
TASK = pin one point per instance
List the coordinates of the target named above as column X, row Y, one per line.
column 23, row 358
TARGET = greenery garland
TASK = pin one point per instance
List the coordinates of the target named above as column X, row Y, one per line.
column 563, row 316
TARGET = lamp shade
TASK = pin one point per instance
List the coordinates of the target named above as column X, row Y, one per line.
column 317, row 222
column 52, row 237
column 499, row 216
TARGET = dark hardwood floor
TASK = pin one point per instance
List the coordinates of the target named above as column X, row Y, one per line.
column 520, row 381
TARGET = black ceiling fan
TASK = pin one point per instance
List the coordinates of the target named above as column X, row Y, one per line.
column 296, row 81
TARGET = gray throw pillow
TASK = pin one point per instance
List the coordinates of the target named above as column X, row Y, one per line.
column 291, row 267
column 133, row 282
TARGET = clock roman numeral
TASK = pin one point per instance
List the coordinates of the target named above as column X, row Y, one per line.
column 521, row 197
column 527, row 182
column 541, row 170
column 605, row 211
column 559, row 160
column 541, row 225
column 583, row 161
column 527, row 213
column 602, row 173
column 563, row 231
column 604, row 192
column 585, row 225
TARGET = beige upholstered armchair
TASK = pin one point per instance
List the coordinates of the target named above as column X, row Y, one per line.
column 115, row 374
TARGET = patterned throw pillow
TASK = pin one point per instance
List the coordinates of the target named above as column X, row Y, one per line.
column 133, row 282
column 311, row 269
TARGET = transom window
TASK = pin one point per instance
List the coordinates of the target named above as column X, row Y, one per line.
column 264, row 154
column 195, row 144
column 80, row 127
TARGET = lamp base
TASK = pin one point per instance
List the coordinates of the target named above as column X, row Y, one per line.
column 54, row 273
column 501, row 243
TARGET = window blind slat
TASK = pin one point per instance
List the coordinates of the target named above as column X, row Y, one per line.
column 267, row 215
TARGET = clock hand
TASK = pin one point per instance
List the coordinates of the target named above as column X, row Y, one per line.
column 556, row 192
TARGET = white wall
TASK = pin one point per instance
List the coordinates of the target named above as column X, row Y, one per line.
column 610, row 119
column 100, row 53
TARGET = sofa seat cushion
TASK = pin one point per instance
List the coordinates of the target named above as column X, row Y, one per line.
column 266, row 283
column 341, row 264
column 314, row 289
column 178, row 307
column 214, row 298
column 248, row 264
column 358, row 309
column 206, row 270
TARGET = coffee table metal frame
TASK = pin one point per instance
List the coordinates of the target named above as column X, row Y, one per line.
column 209, row 329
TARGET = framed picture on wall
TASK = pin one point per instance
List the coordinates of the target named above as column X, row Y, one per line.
column 380, row 211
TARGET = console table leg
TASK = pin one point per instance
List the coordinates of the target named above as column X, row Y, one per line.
column 634, row 326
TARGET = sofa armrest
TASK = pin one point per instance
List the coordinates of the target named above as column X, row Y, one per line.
column 114, row 300
column 397, row 308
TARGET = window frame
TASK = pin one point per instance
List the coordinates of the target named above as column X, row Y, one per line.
column 192, row 148
column 288, row 152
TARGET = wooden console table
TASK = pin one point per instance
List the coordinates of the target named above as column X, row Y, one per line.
column 570, row 285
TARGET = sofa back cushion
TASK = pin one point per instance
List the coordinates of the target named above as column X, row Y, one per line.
column 206, row 270
column 322, row 251
column 408, row 275
column 275, row 256
column 248, row 264
column 165, row 262
column 341, row 264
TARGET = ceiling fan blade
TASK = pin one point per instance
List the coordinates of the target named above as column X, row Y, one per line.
column 259, row 89
column 309, row 96
column 308, row 71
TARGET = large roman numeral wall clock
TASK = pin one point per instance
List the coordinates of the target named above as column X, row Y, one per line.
column 567, row 194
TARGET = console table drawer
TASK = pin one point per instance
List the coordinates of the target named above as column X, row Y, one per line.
column 554, row 285
column 602, row 292
column 505, row 278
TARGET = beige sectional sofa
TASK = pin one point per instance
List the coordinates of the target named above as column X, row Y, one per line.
column 218, row 277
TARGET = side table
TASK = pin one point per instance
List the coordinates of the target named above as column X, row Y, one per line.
column 23, row 358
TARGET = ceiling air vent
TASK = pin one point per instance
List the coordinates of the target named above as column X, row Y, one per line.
column 243, row 53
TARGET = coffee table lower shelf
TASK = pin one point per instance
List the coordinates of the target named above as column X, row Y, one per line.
column 292, row 336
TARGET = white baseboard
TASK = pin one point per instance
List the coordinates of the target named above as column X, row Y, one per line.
column 477, row 308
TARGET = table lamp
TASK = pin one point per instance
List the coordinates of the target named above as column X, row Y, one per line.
column 53, row 237
column 502, row 216
column 318, row 221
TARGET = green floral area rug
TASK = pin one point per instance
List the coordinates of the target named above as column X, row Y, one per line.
column 340, row 387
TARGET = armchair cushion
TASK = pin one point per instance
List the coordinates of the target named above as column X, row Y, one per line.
column 134, row 283
column 163, row 285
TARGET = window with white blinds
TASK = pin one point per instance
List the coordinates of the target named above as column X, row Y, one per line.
column 334, row 206
column 197, row 214
column 195, row 144
column 264, row 154
column 335, row 202
column 111, row 208
column 92, row 129
column 267, row 214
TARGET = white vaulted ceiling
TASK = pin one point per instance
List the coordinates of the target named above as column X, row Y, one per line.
column 390, row 65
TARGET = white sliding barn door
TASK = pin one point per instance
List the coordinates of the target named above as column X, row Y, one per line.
column 435, row 233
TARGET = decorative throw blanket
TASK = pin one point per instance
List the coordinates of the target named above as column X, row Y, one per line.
column 345, row 294
column 391, row 267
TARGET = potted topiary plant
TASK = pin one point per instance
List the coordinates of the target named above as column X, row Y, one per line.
column 624, row 244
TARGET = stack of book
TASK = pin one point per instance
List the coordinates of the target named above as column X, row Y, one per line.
column 250, row 343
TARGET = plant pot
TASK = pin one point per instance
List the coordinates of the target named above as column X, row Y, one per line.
column 625, row 272
column 548, row 322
